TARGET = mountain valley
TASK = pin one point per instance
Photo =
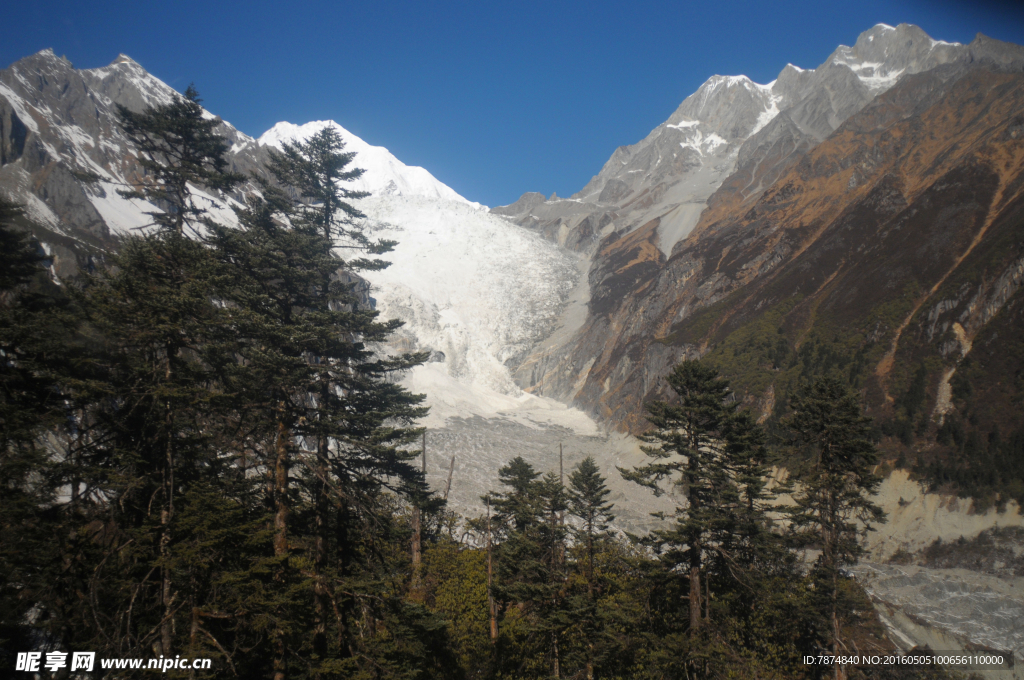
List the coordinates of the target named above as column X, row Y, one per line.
column 865, row 217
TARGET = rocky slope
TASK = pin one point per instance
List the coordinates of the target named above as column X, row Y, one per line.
column 888, row 173
column 63, row 155
column 863, row 218
column 730, row 123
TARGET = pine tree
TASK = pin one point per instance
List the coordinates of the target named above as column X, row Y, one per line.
column 587, row 502
column 314, row 169
column 30, row 405
column 152, row 394
column 153, row 409
column 691, row 450
column 752, row 544
column 834, row 499
column 529, row 574
column 179, row 146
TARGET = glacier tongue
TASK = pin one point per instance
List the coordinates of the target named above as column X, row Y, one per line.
column 474, row 289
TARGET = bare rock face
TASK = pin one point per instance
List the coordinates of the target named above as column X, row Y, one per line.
column 63, row 155
column 720, row 197
column 731, row 123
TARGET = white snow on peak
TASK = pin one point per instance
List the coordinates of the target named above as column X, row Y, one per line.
column 768, row 114
column 873, row 74
column 714, row 82
column 476, row 288
column 385, row 175
column 154, row 91
column 681, row 125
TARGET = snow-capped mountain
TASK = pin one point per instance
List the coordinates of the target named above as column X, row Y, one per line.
column 671, row 173
column 525, row 316
column 385, row 175
column 473, row 289
column 477, row 292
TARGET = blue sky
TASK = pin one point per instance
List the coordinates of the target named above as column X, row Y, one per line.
column 493, row 98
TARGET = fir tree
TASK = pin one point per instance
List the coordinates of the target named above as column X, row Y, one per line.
column 834, row 500
column 328, row 425
column 153, row 393
column 587, row 502
column 529, row 577
column 29, row 405
column 691, row 451
column 152, row 416
column 179, row 146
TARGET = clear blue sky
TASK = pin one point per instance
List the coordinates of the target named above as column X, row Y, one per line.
column 493, row 98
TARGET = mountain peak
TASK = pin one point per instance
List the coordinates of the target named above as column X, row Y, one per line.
column 43, row 58
column 385, row 174
column 124, row 59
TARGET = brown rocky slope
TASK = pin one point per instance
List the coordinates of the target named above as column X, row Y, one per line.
column 892, row 252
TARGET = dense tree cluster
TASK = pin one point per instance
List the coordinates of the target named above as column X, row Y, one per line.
column 201, row 457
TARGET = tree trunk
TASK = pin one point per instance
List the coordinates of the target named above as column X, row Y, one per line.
column 832, row 560
column 166, row 515
column 695, row 595
column 695, row 544
column 555, row 670
column 416, row 593
column 451, row 470
column 280, row 529
column 490, row 596
column 320, row 599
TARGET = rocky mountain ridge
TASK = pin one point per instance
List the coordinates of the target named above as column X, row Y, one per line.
column 672, row 172
column 848, row 141
column 63, row 155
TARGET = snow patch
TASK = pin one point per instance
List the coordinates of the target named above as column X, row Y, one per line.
column 682, row 125
column 122, row 215
column 39, row 211
column 703, row 144
column 15, row 102
column 767, row 115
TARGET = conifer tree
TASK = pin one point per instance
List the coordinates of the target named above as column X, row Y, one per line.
column 834, row 500
column 316, row 170
column 529, row 574
column 329, row 426
column 588, row 503
column 30, row 404
column 696, row 428
column 153, row 405
column 752, row 543
column 179, row 147
column 153, row 393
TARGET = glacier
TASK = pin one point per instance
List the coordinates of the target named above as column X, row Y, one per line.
column 478, row 292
